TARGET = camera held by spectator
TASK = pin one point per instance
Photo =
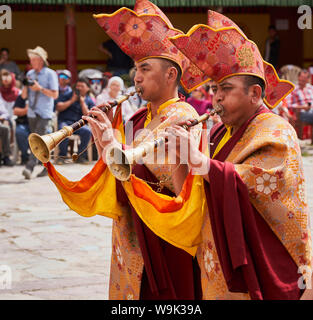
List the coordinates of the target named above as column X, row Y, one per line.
column 28, row 82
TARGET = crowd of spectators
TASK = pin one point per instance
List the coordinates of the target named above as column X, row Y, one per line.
column 45, row 100
column 297, row 106
column 42, row 98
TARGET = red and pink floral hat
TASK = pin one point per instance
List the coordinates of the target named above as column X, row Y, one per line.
column 222, row 50
column 144, row 35
column 147, row 7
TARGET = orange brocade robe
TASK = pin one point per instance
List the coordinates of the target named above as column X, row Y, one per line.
column 266, row 161
column 143, row 265
column 256, row 237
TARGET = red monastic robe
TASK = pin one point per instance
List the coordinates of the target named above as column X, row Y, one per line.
column 252, row 257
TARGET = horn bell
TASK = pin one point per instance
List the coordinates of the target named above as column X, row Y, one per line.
column 118, row 163
column 42, row 145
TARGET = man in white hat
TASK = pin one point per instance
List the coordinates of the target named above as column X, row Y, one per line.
column 41, row 89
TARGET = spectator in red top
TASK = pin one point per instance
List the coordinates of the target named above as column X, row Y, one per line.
column 302, row 97
column 198, row 100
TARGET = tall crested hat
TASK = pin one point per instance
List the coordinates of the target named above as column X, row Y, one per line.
column 221, row 50
column 147, row 7
column 144, row 34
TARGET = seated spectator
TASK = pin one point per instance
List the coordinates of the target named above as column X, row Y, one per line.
column 97, row 82
column 5, row 137
column 64, row 77
column 22, row 128
column 198, row 101
column 71, row 107
column 307, row 116
column 300, row 100
column 310, row 69
column 5, row 63
column 8, row 90
column 113, row 92
column 282, row 110
column 135, row 101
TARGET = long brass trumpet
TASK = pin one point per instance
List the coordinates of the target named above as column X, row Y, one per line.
column 120, row 161
column 41, row 146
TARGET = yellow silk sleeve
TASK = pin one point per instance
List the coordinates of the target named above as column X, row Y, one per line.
column 177, row 220
column 94, row 194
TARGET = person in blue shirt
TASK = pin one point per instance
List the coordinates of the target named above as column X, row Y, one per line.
column 41, row 89
column 71, row 107
column 65, row 77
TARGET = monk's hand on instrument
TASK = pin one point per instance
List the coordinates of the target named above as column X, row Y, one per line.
column 187, row 149
column 186, row 123
column 178, row 141
column 109, row 112
column 101, row 128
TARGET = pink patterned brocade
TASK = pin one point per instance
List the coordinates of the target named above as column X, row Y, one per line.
column 143, row 36
column 226, row 51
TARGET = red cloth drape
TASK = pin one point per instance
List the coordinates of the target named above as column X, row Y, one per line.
column 252, row 258
column 169, row 272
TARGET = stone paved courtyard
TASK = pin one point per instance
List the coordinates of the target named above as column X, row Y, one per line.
column 54, row 253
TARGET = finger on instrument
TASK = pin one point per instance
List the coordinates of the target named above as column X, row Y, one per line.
column 100, row 106
column 100, row 115
column 187, row 122
column 93, row 122
column 96, row 128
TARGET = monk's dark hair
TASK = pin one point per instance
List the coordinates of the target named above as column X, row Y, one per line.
column 168, row 64
column 250, row 80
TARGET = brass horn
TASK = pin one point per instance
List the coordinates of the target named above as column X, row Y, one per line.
column 41, row 146
column 120, row 161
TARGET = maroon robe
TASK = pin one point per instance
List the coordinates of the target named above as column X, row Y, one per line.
column 252, row 257
column 169, row 272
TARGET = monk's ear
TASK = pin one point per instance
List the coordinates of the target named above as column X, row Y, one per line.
column 255, row 93
column 172, row 74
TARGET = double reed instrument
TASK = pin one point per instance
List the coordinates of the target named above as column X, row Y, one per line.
column 42, row 145
column 120, row 161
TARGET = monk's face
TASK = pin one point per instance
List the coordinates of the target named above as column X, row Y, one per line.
column 232, row 96
column 150, row 78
